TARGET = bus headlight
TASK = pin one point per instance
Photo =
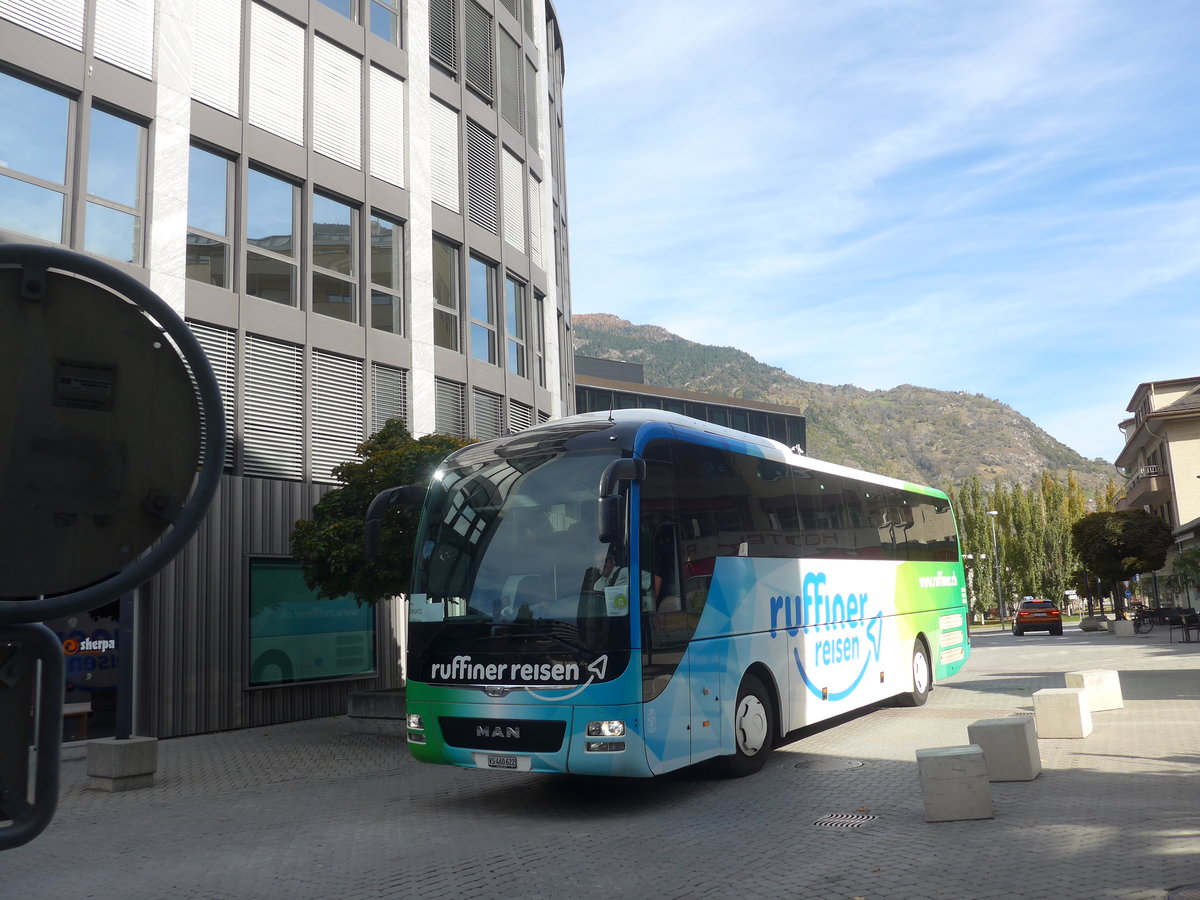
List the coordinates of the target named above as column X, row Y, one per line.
column 612, row 728
column 415, row 721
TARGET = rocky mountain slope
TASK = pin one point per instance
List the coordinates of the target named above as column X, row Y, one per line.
column 934, row 437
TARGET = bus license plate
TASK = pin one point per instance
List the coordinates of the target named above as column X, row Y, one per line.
column 502, row 761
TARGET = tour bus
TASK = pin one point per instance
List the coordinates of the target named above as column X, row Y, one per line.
column 630, row 592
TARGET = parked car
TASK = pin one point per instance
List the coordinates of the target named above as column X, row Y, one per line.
column 1037, row 615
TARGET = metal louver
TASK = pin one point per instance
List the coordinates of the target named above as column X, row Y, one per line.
column 62, row 22
column 482, row 202
column 337, row 103
column 511, row 97
column 443, row 47
column 443, row 156
column 217, row 54
column 272, row 428
column 520, row 416
column 276, row 65
column 488, row 418
column 477, row 52
column 125, row 35
column 535, row 223
column 220, row 346
column 387, row 127
column 514, row 202
column 337, row 412
column 450, row 413
column 389, row 395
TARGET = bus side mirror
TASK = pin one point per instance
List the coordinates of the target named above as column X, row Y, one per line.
column 405, row 495
column 610, row 508
column 611, row 520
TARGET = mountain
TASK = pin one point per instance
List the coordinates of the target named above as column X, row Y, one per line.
column 940, row 438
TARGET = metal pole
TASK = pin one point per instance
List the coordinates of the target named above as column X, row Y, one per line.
column 125, row 655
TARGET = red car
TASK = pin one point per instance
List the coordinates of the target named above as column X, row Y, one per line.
column 1037, row 615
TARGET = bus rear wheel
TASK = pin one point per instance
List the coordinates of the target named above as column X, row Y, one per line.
column 922, row 675
column 753, row 729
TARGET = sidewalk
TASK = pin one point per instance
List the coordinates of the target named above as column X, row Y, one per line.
column 309, row 810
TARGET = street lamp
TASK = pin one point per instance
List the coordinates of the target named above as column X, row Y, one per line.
column 992, row 514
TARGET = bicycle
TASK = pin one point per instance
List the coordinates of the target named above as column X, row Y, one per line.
column 1142, row 623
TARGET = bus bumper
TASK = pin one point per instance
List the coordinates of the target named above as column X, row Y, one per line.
column 523, row 738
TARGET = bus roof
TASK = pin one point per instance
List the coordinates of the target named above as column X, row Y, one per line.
column 632, row 421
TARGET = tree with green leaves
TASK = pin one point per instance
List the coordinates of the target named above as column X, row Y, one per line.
column 1115, row 546
column 1185, row 570
column 329, row 547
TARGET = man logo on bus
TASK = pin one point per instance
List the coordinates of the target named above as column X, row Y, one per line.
column 831, row 626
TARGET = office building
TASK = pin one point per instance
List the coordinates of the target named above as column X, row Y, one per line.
column 359, row 208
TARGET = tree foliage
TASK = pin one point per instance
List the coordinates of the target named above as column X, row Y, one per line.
column 1185, row 570
column 1118, row 545
column 329, row 547
column 1026, row 546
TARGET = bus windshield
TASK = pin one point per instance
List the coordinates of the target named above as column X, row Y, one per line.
column 510, row 564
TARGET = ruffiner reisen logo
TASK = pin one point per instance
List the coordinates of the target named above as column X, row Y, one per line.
column 842, row 638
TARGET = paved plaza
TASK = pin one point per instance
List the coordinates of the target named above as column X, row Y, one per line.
column 312, row 810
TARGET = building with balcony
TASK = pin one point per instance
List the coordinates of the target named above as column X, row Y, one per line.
column 358, row 206
column 1161, row 457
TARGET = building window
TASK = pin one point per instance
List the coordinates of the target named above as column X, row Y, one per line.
column 482, row 287
column 515, row 330
column 34, row 134
column 385, row 20
column 341, row 7
column 387, row 275
column 539, row 338
column 116, row 163
column 446, row 294
column 210, row 211
column 297, row 636
column 271, row 207
column 334, row 250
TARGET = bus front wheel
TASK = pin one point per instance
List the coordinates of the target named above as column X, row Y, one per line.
column 922, row 675
column 753, row 729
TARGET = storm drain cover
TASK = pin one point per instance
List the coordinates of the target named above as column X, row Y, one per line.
column 1185, row 892
column 845, row 820
column 829, row 765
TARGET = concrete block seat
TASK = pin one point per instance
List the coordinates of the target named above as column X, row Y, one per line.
column 1103, row 688
column 1010, row 747
column 954, row 783
column 1062, row 712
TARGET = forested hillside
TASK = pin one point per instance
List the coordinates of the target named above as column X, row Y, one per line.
column 934, row 437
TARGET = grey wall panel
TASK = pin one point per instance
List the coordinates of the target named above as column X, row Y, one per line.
column 194, row 622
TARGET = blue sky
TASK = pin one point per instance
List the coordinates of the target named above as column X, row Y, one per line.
column 1000, row 197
